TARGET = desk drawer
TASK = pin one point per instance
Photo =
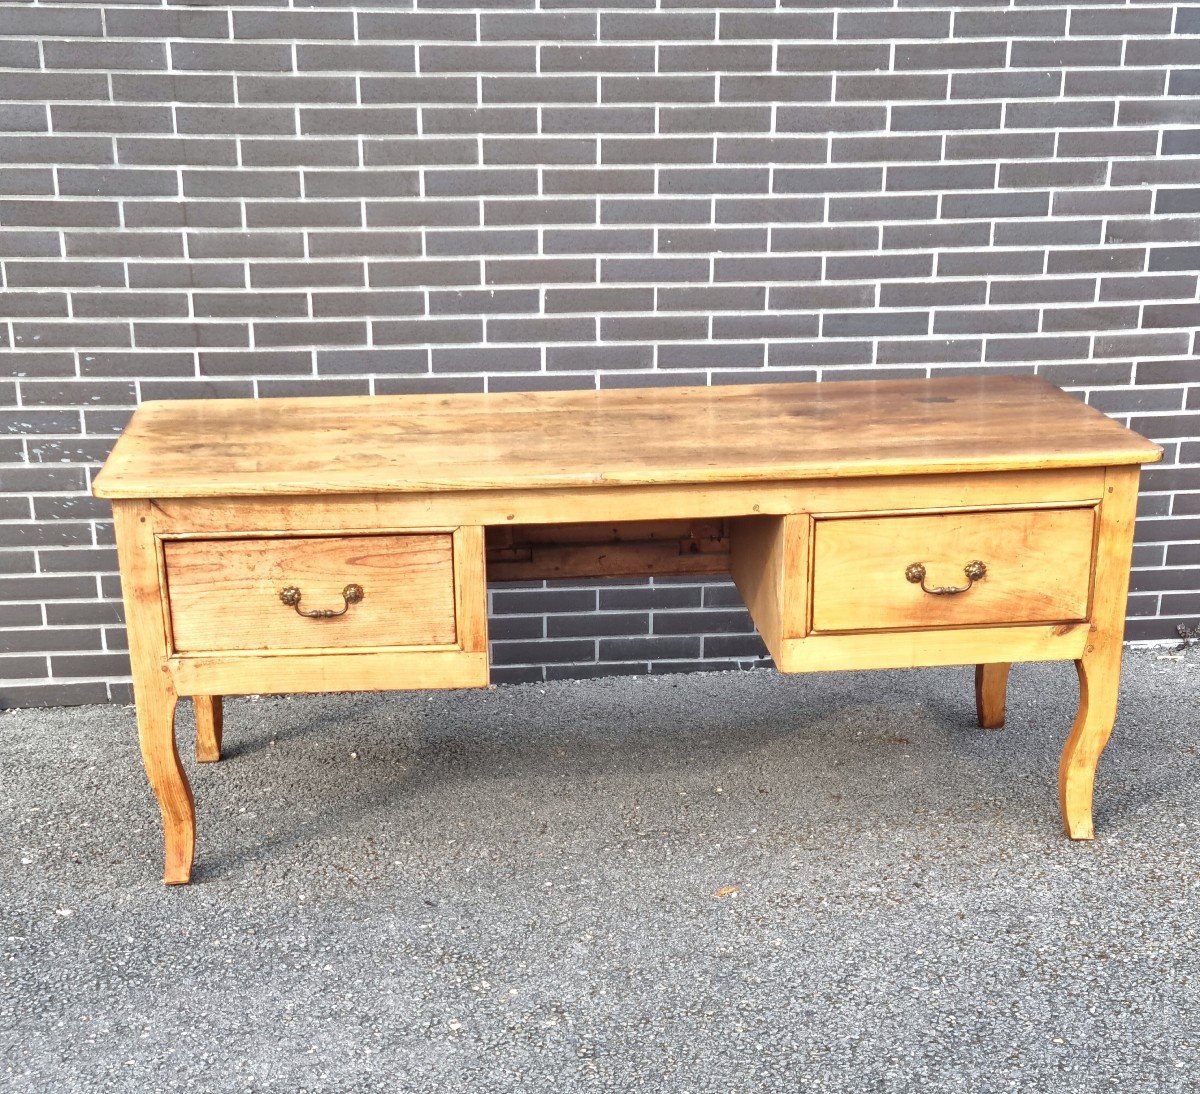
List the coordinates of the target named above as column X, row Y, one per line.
column 227, row 595
column 877, row 573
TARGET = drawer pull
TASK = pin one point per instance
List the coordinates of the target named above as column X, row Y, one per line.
column 974, row 571
column 351, row 594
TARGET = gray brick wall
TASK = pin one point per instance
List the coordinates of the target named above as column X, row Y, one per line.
column 201, row 200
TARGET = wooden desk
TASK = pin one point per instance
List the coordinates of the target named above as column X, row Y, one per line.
column 304, row 545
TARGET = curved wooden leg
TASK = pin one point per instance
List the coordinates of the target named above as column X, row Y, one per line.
column 156, row 735
column 991, row 685
column 153, row 689
column 209, row 724
column 1099, row 679
column 1100, row 666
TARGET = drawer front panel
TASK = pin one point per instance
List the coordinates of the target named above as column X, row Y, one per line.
column 225, row 594
column 1038, row 570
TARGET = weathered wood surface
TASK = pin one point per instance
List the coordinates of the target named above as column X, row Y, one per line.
column 752, row 433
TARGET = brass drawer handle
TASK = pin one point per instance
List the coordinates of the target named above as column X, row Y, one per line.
column 351, row 594
column 974, row 571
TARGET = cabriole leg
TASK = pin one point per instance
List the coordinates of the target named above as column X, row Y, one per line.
column 153, row 689
column 160, row 757
column 1100, row 666
column 1099, row 680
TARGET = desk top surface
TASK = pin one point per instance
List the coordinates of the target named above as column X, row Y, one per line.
column 691, row 435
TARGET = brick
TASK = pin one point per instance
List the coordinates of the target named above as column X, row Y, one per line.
column 177, row 152
column 254, row 363
column 19, row 54
column 1010, row 23
column 1059, row 115
column 84, row 54
column 697, row 57
column 128, row 305
column 416, row 26
column 181, row 275
column 23, row 118
column 480, row 182
column 1140, row 286
column 424, row 272
column 537, row 26
column 292, row 25
column 361, row 184
column 631, row 26
column 49, row 335
column 217, row 305
column 1006, row 85
column 832, row 57
column 924, row 56
column 1100, row 202
column 1040, row 348
column 483, row 58
column 117, row 182
column 419, row 213
column 202, row 334
column 650, row 648
column 947, row 116
column 327, row 333
column 372, row 361
column 893, row 24
column 1098, row 260
column 231, row 57
column 486, row 359
column 1115, row 21
column 478, row 120
column 306, row 275
column 361, row 57
column 307, row 152
column 598, row 181
column 390, row 90
column 590, row 358
column 775, row 87
column 891, row 87
column 296, row 89
column 1177, row 201
column 1061, row 53
column 375, row 120
column 236, row 120
column 202, row 245
column 147, row 22
column 769, row 25
column 58, row 87
column 78, row 21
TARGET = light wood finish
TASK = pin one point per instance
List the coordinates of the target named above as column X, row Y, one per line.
column 153, row 688
column 624, row 549
column 1038, row 569
column 429, row 444
column 364, row 513
column 991, row 686
column 1099, row 667
column 769, row 565
column 362, row 670
column 225, row 594
column 470, row 605
column 209, row 727
column 815, row 497
column 920, row 649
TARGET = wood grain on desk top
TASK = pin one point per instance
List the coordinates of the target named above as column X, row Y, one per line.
column 406, row 443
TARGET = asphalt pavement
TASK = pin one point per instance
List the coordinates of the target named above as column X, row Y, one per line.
column 693, row 883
